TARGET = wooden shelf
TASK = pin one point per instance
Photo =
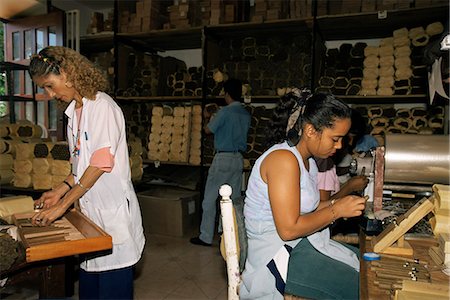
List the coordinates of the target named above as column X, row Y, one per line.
column 368, row 25
column 152, row 162
column 24, row 98
column 165, row 39
column 161, row 98
column 394, row 99
column 286, row 27
column 99, row 42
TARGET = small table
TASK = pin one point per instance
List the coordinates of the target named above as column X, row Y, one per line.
column 368, row 290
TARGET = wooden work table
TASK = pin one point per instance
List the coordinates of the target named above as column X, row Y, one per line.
column 368, row 290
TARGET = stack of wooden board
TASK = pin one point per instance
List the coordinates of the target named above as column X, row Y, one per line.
column 440, row 223
column 71, row 235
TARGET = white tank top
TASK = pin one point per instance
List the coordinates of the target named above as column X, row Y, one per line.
column 257, row 204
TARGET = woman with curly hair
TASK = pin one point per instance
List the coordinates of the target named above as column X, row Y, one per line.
column 100, row 179
column 289, row 245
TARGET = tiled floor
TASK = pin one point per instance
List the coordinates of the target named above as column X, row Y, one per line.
column 171, row 268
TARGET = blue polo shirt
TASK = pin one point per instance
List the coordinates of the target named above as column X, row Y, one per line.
column 230, row 127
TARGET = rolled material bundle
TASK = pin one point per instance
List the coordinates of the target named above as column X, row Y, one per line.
column 367, row 92
column 378, row 131
column 403, row 73
column 386, row 71
column 178, row 111
column 371, row 61
column 355, row 72
column 379, row 122
column 437, row 111
column 413, row 32
column 418, row 112
column 401, row 41
column 371, row 51
column 436, row 122
column 135, row 148
column 26, row 129
column 387, row 41
column 358, row 49
column 5, row 129
column 402, row 62
column 341, row 83
column 401, row 32
column 386, row 82
column 404, row 51
column 41, row 166
column 429, row 154
column 406, row 90
column 60, row 168
column 385, row 91
column 7, row 146
column 394, row 130
column 6, row 162
column 389, row 112
column 371, row 73
column 60, row 151
column 434, row 28
column 355, row 81
column 369, row 83
column 42, row 150
column 387, row 61
column 353, row 89
column 403, row 123
column 402, row 83
column 419, row 122
column 22, row 180
column 420, row 40
column 387, row 50
column 23, row 166
column 24, row 151
column 136, row 167
column 156, row 120
column 403, row 113
column 327, row 82
column 41, row 181
column 162, row 110
column 6, row 176
column 57, row 180
column 425, row 130
column 420, row 71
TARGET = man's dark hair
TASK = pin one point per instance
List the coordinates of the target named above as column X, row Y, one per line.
column 234, row 88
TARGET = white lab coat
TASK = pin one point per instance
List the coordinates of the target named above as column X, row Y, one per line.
column 111, row 202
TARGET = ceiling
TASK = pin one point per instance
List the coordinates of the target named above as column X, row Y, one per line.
column 13, row 9
column 95, row 4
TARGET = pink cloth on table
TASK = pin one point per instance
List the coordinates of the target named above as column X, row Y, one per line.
column 328, row 181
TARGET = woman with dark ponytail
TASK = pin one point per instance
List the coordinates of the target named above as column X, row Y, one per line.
column 289, row 245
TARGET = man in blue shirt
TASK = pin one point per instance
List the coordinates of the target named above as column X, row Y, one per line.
column 230, row 127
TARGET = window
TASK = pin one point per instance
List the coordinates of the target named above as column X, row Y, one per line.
column 16, row 45
column 28, row 44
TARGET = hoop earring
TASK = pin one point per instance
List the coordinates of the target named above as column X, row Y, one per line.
column 293, row 137
column 68, row 84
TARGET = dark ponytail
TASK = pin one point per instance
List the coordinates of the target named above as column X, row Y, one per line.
column 320, row 110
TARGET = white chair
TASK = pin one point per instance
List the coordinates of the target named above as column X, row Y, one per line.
column 230, row 238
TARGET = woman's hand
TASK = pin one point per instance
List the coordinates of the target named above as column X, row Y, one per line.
column 349, row 206
column 47, row 215
column 47, row 200
column 358, row 183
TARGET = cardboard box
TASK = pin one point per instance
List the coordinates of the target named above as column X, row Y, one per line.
column 169, row 210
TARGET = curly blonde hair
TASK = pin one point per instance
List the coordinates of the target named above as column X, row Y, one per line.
column 80, row 71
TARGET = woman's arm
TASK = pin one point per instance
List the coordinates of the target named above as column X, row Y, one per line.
column 281, row 173
column 47, row 216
